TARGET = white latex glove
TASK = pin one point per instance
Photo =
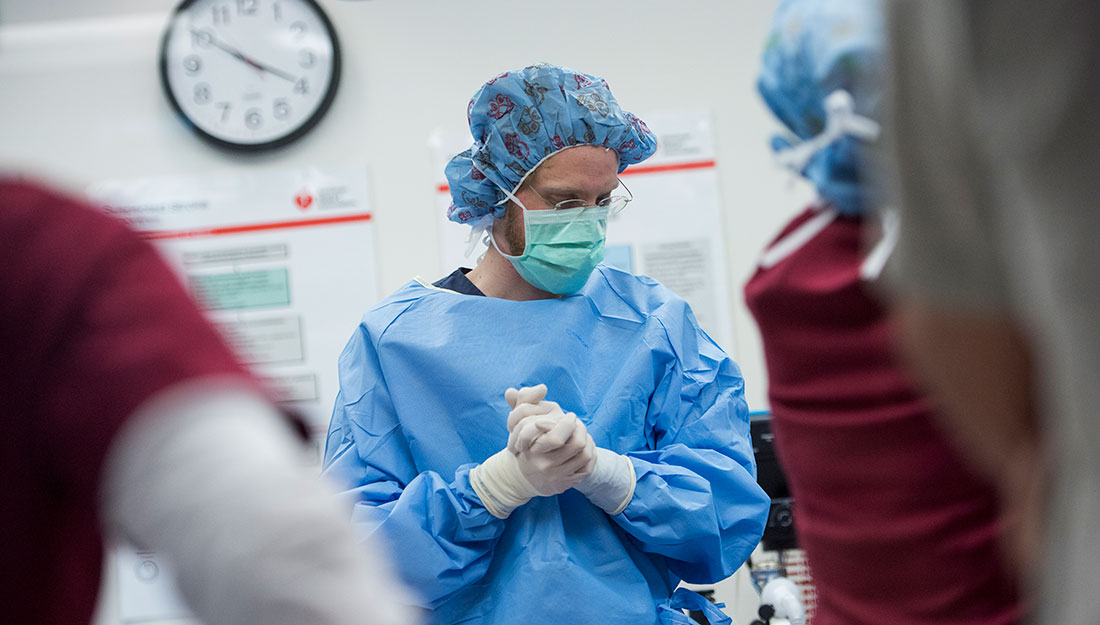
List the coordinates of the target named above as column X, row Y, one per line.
column 553, row 447
column 610, row 478
column 611, row 483
column 499, row 482
column 554, row 460
column 528, row 402
column 549, row 451
column 525, row 395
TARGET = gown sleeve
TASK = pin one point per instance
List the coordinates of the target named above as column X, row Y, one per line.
column 438, row 518
column 697, row 502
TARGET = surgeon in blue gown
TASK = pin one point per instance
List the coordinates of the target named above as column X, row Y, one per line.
column 546, row 439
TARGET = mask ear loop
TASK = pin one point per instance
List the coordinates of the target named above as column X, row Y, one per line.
column 491, row 239
column 477, row 232
column 483, row 232
column 485, row 227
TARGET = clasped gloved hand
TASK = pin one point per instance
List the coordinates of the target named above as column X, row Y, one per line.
column 609, row 479
column 548, row 452
column 553, row 449
column 531, row 465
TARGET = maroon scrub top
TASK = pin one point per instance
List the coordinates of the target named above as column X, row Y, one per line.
column 92, row 323
column 895, row 526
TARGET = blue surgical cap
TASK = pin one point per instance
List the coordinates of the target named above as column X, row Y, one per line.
column 520, row 118
column 815, row 48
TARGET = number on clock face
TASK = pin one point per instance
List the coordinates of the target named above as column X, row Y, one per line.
column 250, row 73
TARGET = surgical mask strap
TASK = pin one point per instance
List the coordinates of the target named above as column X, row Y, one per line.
column 840, row 120
column 491, row 239
column 508, row 195
column 875, row 262
column 477, row 232
column 484, row 226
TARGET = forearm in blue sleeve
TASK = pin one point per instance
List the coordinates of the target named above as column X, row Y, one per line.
column 696, row 501
column 442, row 535
column 699, row 508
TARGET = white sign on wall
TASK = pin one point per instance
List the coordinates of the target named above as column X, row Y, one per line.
column 672, row 231
column 283, row 262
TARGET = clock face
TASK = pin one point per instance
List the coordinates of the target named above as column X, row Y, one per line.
column 250, row 74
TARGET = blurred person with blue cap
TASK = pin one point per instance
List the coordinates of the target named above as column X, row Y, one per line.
column 896, row 525
column 548, row 438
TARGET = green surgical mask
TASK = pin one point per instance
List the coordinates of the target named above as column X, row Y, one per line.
column 563, row 247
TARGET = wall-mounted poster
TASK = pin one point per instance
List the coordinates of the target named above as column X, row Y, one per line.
column 283, row 262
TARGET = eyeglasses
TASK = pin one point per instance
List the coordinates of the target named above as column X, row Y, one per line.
column 614, row 203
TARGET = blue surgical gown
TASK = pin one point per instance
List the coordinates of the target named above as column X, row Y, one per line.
column 421, row 402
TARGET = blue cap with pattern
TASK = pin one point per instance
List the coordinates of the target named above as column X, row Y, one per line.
column 814, row 49
column 520, row 118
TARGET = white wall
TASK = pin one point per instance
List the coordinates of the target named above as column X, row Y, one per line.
column 80, row 102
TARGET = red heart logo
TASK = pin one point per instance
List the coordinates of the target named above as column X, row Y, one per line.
column 303, row 200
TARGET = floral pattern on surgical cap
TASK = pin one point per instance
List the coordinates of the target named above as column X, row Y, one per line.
column 520, row 117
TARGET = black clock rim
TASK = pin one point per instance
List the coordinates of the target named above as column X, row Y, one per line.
column 295, row 134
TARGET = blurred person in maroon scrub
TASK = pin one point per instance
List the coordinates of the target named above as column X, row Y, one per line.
column 126, row 416
column 896, row 527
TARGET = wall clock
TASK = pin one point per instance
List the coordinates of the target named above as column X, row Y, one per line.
column 250, row 74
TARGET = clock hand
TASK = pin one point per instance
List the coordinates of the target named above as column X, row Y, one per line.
column 241, row 57
column 227, row 48
column 271, row 70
